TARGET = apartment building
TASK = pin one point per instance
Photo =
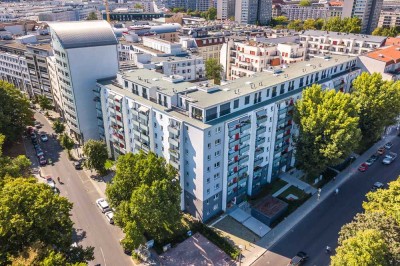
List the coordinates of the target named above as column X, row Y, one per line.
column 297, row 12
column 244, row 59
column 14, row 70
column 366, row 10
column 253, row 11
column 227, row 141
column 225, row 9
column 190, row 68
column 84, row 52
column 385, row 61
column 207, row 46
column 389, row 18
column 324, row 42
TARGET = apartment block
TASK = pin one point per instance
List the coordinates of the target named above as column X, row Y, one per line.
column 297, row 12
column 83, row 53
column 366, row 10
column 389, row 18
column 227, row 142
column 225, row 9
column 14, row 70
column 385, row 61
column 324, row 42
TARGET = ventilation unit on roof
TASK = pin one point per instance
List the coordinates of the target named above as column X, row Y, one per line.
column 380, row 55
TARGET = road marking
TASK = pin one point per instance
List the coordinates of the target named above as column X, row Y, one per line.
column 105, row 264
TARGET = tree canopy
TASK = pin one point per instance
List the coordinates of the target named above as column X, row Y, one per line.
column 44, row 102
column 58, row 126
column 12, row 167
column 350, row 25
column 328, row 129
column 305, row 3
column 213, row 70
column 146, row 195
column 96, row 155
column 379, row 103
column 15, row 114
column 92, row 16
column 67, row 143
column 386, row 31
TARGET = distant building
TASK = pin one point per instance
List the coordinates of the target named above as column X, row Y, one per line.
column 295, row 11
column 366, row 10
column 129, row 16
column 385, row 61
column 389, row 18
column 225, row 9
column 253, row 11
column 83, row 53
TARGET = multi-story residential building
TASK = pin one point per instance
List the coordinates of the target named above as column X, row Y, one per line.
column 191, row 68
column 84, row 52
column 168, row 32
column 297, row 12
column 335, row 9
column 244, row 59
column 389, row 18
column 57, row 96
column 129, row 16
column 385, row 61
column 253, row 11
column 225, row 9
column 206, row 46
column 14, row 70
column 226, row 142
column 323, row 42
column 366, row 10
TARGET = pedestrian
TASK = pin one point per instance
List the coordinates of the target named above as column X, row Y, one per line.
column 328, row 249
column 336, row 191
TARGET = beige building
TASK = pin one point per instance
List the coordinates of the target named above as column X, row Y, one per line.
column 389, row 18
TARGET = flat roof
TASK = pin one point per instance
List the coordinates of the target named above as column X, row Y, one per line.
column 342, row 35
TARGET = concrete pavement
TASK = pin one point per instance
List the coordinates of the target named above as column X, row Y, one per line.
column 287, row 226
column 91, row 226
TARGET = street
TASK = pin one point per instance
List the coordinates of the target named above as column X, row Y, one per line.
column 91, row 226
column 320, row 228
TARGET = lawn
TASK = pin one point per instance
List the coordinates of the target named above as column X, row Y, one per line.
column 270, row 189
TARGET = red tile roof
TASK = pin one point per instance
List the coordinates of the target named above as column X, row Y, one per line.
column 390, row 54
column 209, row 41
column 336, row 3
column 392, row 41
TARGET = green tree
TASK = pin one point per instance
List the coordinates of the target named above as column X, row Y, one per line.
column 138, row 6
column 67, row 143
column 211, row 13
column 319, row 23
column 44, row 102
column 31, row 212
column 386, row 31
column 296, row 25
column 305, row 3
column 367, row 248
column 280, row 20
column 328, row 129
column 386, row 225
column 12, row 167
column 350, row 25
column 92, row 16
column 214, row 70
column 15, row 114
column 96, row 155
column 379, row 102
column 58, row 126
column 146, row 195
column 232, row 18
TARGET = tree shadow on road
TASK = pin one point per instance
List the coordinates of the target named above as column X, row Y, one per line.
column 78, row 235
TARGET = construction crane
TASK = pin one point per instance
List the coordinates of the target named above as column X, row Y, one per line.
column 107, row 11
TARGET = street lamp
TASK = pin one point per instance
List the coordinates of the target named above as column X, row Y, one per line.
column 240, row 254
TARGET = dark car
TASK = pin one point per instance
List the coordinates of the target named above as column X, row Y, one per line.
column 299, row 259
column 78, row 165
column 39, row 152
column 42, row 160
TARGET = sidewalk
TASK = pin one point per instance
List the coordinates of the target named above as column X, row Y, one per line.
column 293, row 178
column 286, row 225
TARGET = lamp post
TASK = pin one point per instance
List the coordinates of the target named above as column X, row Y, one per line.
column 240, row 255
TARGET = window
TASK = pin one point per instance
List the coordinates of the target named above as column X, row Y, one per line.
column 216, row 186
column 209, row 133
column 216, row 165
column 267, row 93
column 218, row 141
column 218, row 129
column 126, row 84
column 161, row 116
column 211, row 113
column 208, row 169
column 217, row 153
column 208, row 180
column 208, row 191
column 216, row 176
column 236, row 104
column 282, row 89
column 215, row 207
column 209, row 157
column 247, row 100
column 224, row 109
column 273, row 91
column 216, row 196
column 209, row 145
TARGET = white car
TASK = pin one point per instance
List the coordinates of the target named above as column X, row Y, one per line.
column 44, row 138
column 51, row 182
column 389, row 158
column 110, row 217
column 103, row 205
column 377, row 186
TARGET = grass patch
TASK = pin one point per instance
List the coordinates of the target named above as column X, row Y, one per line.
column 270, row 189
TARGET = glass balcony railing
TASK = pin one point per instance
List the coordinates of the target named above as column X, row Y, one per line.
column 244, row 159
column 245, row 127
column 244, row 149
column 259, row 151
column 234, row 143
column 233, row 154
column 258, row 162
column 234, row 131
column 261, row 130
column 244, row 138
column 260, row 141
column 262, row 119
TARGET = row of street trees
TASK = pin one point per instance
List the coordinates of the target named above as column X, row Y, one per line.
column 373, row 237
column 35, row 223
column 333, row 124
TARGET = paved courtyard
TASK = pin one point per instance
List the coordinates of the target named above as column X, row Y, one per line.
column 195, row 251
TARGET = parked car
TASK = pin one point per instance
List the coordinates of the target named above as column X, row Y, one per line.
column 29, row 130
column 388, row 145
column 43, row 137
column 78, row 164
column 389, row 158
column 42, row 160
column 33, row 135
column 377, row 186
column 370, row 162
column 381, row 150
column 50, row 182
column 363, row 167
column 36, row 146
column 299, row 259
column 110, row 217
column 39, row 152
column 103, row 205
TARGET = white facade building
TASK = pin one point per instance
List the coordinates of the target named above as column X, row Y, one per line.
column 226, row 142
column 84, row 52
column 14, row 70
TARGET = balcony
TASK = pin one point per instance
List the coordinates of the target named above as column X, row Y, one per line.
column 234, row 143
column 244, row 159
column 144, row 127
column 290, row 108
column 243, row 170
column 174, row 142
column 278, row 150
column 145, row 148
column 135, row 123
column 174, row 153
column 244, row 149
column 245, row 127
column 174, row 164
column 135, row 112
column 234, row 132
column 282, row 111
column 232, row 175
column 260, row 141
column 258, row 161
column 259, row 151
column 257, row 171
column 244, row 138
column 232, row 155
column 279, row 132
column 136, row 133
column 276, row 161
column 232, row 166
column 261, row 130
column 174, row 130
column 144, row 117
column 144, row 138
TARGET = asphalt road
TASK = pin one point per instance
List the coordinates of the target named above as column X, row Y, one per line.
column 91, row 226
column 320, row 228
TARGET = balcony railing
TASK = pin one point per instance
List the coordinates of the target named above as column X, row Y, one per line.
column 244, row 138
column 244, row 159
column 258, row 162
column 261, row 130
column 234, row 132
column 259, row 151
column 232, row 155
column 234, row 143
column 243, row 170
column 260, row 141
column 174, row 142
column 245, row 127
column 257, row 171
column 174, row 164
column 262, row 119
column 232, row 166
column 174, row 130
column 232, row 175
column 244, row 149
column 282, row 111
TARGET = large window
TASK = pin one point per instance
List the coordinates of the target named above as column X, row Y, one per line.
column 225, row 109
column 211, row 113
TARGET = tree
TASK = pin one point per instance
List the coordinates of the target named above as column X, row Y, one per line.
column 211, row 13
column 386, row 31
column 146, row 195
column 31, row 212
column 92, row 16
column 232, row 18
column 379, row 102
column 12, row 167
column 213, row 70
column 305, row 3
column 15, row 114
column 366, row 248
column 386, row 225
column 350, row 25
column 328, row 129
column 96, row 155
column 44, row 102
column 67, row 143
column 138, row 6
column 58, row 127
column 280, row 20
column 296, row 25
